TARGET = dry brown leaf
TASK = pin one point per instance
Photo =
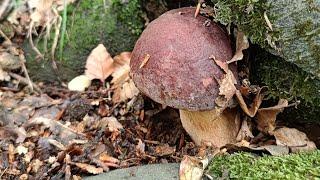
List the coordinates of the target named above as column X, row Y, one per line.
column 99, row 64
column 296, row 140
column 121, row 82
column 226, row 90
column 241, row 44
column 227, row 85
column 120, row 75
column 4, row 76
column 223, row 65
column 266, row 117
column 127, row 91
column 122, row 59
column 250, row 111
column 191, row 168
column 112, row 124
column 140, row 146
column 104, row 157
column 275, row 150
column 88, row 168
column 245, row 131
column 9, row 61
column 165, row 149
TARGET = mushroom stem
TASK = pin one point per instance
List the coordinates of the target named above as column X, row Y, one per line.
column 211, row 126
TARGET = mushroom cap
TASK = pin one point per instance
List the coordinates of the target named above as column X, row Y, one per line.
column 172, row 60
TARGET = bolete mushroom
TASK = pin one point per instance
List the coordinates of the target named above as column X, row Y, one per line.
column 172, row 64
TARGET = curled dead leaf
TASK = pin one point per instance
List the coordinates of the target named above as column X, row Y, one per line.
column 241, row 44
column 266, row 117
column 88, row 168
column 251, row 110
column 227, row 85
column 121, row 82
column 99, row 64
column 191, row 168
column 296, row 140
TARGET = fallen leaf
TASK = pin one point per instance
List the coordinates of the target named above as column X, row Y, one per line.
column 127, row 91
column 88, row 168
column 121, row 82
column 36, row 165
column 104, row 157
column 296, row 140
column 9, row 61
column 227, row 85
column 99, row 64
column 191, row 168
column 275, row 150
column 241, row 44
column 112, row 124
column 245, row 131
column 252, row 110
column 266, row 117
column 226, row 90
column 4, row 76
column 141, row 146
column 21, row 150
column 122, row 59
column 79, row 83
column 223, row 65
column 164, row 150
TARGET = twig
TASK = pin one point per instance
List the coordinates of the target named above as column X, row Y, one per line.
column 24, row 81
column 3, row 172
column 56, row 36
column 9, row 89
column 4, row 36
column 23, row 66
column 3, row 7
column 35, row 49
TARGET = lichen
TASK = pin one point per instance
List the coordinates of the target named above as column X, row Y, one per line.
column 249, row 166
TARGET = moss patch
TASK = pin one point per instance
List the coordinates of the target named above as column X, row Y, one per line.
column 116, row 25
column 295, row 27
column 247, row 15
column 248, row 166
column 286, row 80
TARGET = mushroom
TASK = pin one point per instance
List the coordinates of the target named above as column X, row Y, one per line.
column 172, row 64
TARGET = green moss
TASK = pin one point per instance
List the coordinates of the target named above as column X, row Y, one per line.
column 248, row 166
column 248, row 16
column 130, row 14
column 295, row 27
column 286, row 80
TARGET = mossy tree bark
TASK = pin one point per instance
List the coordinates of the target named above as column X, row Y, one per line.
column 292, row 34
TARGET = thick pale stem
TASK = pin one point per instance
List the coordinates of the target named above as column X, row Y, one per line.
column 211, row 126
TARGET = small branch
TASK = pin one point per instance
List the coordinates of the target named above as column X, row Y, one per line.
column 4, row 6
column 35, row 49
column 23, row 66
column 5, row 36
column 24, row 81
column 56, row 36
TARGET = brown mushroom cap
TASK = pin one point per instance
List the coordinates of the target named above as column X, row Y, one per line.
column 179, row 72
